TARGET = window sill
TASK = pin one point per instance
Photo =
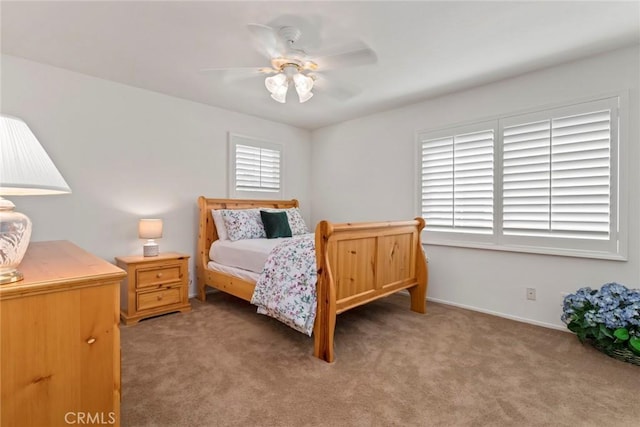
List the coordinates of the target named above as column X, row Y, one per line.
column 527, row 249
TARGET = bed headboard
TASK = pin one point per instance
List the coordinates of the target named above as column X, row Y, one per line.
column 207, row 233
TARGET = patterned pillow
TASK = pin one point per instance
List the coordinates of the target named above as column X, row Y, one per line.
column 296, row 223
column 243, row 224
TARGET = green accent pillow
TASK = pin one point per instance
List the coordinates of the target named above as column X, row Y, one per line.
column 276, row 224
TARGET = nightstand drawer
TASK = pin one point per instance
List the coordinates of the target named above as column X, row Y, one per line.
column 158, row 276
column 155, row 299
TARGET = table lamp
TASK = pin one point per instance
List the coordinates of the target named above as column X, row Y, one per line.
column 25, row 170
column 150, row 229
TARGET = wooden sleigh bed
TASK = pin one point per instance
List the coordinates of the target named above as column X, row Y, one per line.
column 357, row 263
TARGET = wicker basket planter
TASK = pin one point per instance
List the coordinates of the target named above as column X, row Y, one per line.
column 607, row 318
column 623, row 354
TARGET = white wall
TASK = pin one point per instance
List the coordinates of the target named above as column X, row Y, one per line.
column 129, row 153
column 364, row 169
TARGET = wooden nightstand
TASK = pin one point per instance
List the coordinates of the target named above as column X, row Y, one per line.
column 154, row 285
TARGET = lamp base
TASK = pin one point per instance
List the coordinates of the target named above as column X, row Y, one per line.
column 10, row 277
column 150, row 249
column 15, row 232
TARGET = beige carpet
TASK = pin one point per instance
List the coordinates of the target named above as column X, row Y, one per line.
column 224, row 365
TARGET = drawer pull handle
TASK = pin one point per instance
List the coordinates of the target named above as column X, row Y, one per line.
column 91, row 340
column 159, row 275
column 180, row 277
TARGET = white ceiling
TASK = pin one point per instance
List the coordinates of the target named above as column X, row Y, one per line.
column 424, row 49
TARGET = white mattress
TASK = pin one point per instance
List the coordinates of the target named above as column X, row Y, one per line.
column 237, row 272
column 248, row 254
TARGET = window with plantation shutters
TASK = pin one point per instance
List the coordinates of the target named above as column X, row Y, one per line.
column 557, row 175
column 255, row 168
column 543, row 182
column 457, row 181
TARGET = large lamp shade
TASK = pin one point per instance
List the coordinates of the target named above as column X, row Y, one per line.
column 25, row 170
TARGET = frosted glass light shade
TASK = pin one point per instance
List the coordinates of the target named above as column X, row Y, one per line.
column 303, row 83
column 278, row 86
column 25, row 169
column 280, row 94
column 150, row 229
column 276, row 82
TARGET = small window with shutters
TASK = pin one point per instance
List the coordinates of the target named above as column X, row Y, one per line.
column 255, row 168
column 457, row 180
column 541, row 182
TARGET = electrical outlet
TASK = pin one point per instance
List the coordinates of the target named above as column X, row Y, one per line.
column 531, row 294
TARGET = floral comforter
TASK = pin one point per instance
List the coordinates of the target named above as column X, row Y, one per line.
column 286, row 289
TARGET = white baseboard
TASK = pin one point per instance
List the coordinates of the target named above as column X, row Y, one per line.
column 496, row 313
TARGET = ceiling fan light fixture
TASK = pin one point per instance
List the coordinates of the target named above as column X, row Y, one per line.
column 290, row 64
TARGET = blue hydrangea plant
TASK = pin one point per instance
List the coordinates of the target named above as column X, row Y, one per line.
column 608, row 317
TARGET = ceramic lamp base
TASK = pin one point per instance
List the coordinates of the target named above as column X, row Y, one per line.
column 151, row 249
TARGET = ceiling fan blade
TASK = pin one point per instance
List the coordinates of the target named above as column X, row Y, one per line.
column 232, row 75
column 264, row 70
column 348, row 56
column 334, row 89
column 266, row 40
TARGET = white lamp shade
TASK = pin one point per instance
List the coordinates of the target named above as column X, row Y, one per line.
column 280, row 94
column 25, row 168
column 150, row 228
column 276, row 82
column 303, row 83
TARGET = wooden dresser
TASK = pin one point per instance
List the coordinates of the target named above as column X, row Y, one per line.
column 60, row 339
column 154, row 285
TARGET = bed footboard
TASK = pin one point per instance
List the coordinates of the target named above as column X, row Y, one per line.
column 361, row 262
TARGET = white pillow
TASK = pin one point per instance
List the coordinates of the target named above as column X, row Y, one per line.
column 219, row 222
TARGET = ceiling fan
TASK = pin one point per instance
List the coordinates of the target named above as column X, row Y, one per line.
column 290, row 64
